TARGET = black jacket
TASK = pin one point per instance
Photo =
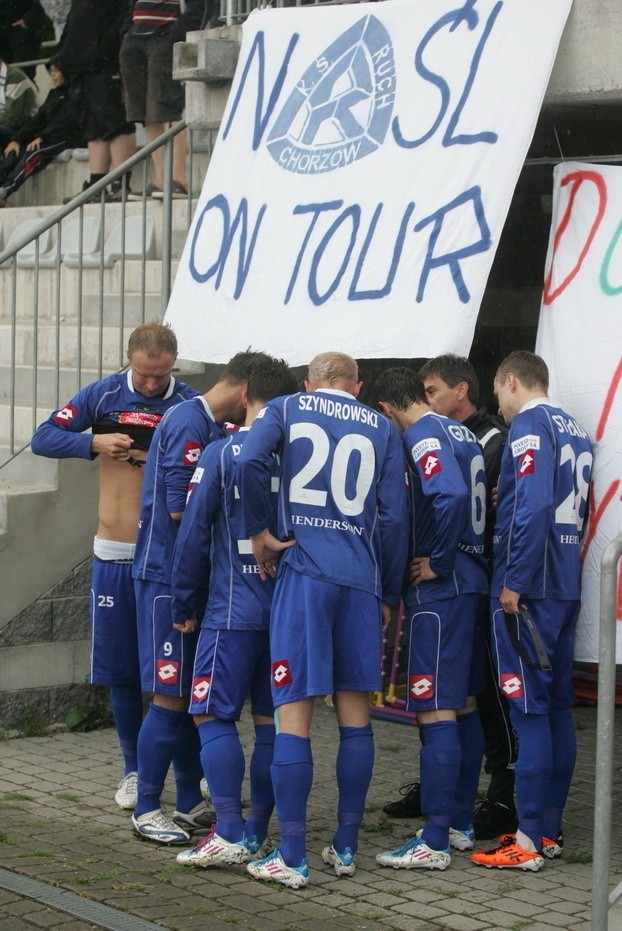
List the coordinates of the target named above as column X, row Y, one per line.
column 92, row 36
column 60, row 118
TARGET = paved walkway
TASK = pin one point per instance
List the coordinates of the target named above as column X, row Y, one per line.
column 59, row 825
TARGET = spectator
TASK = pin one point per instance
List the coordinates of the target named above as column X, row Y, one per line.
column 17, row 100
column 57, row 125
column 89, row 56
column 152, row 96
column 21, row 29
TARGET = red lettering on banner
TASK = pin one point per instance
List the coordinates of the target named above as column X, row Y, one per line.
column 613, row 388
column 596, row 513
column 576, row 179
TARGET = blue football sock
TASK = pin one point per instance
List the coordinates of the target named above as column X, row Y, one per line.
column 534, row 766
column 187, row 766
column 355, row 762
column 564, row 744
column 292, row 777
column 439, row 765
column 156, row 744
column 223, row 764
column 262, row 792
column 126, row 702
column 471, row 737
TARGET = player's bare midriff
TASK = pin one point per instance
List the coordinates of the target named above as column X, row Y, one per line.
column 120, row 486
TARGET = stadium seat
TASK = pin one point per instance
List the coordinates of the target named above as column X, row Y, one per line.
column 138, row 245
column 69, row 244
column 45, row 241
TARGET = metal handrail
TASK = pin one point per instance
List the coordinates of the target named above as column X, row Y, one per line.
column 601, row 899
column 51, row 337
column 236, row 11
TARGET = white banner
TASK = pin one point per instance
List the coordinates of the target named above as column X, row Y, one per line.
column 580, row 337
column 361, row 177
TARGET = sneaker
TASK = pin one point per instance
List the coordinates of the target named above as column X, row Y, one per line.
column 510, row 856
column 199, row 819
column 93, row 199
column 407, row 807
column 214, row 849
column 157, row 826
column 343, row 863
column 127, row 794
column 257, row 851
column 178, row 191
column 415, row 854
column 491, row 820
column 551, row 849
column 152, row 190
column 273, row 869
column 462, row 840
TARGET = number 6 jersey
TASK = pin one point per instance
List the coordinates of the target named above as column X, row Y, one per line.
column 541, row 505
column 342, row 493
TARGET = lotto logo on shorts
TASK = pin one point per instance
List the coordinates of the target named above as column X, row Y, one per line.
column 430, row 465
column 200, row 688
column 527, row 463
column 168, row 672
column 512, row 685
column 192, row 454
column 281, row 674
column 421, row 687
column 65, row 416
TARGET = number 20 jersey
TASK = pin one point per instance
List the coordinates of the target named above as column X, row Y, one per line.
column 342, row 494
column 541, row 505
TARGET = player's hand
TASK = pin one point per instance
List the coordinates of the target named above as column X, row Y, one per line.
column 509, row 601
column 420, row 570
column 387, row 615
column 34, row 144
column 187, row 627
column 113, row 445
column 267, row 551
column 494, row 494
column 12, row 147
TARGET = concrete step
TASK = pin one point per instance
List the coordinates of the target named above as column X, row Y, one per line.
column 38, row 470
column 52, row 347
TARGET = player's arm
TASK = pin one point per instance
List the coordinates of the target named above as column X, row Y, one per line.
column 193, row 542
column 62, row 435
column 254, row 469
column 180, row 447
column 533, row 452
column 393, row 515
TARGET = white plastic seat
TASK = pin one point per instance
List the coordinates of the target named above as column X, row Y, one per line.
column 112, row 251
column 30, row 249
column 80, row 155
column 69, row 244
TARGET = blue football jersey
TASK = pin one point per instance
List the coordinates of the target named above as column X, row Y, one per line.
column 107, row 406
column 448, row 495
column 211, row 532
column 342, row 494
column 177, row 445
column 541, row 504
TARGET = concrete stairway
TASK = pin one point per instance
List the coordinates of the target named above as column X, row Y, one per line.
column 48, row 507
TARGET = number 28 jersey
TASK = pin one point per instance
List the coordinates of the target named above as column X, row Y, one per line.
column 541, row 505
column 342, row 493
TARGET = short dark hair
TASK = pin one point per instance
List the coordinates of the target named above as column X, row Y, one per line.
column 153, row 338
column 531, row 370
column 269, row 379
column 399, row 386
column 453, row 369
column 238, row 369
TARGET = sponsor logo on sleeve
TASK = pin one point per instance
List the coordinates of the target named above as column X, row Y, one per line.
column 200, row 688
column 281, row 673
column 192, row 453
column 525, row 444
column 421, row 686
column 512, row 685
column 168, row 671
column 424, row 446
column 527, row 465
column 65, row 416
column 197, row 475
column 430, row 465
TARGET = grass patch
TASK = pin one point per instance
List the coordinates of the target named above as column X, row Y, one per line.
column 33, row 724
column 4, row 837
column 391, row 748
column 580, row 857
column 202, row 910
column 527, row 923
column 4, row 734
column 96, row 878
column 68, row 797
column 16, row 797
column 376, row 827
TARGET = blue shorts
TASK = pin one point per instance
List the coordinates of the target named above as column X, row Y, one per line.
column 529, row 689
column 114, row 652
column 324, row 638
column 230, row 664
column 166, row 655
column 440, row 648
